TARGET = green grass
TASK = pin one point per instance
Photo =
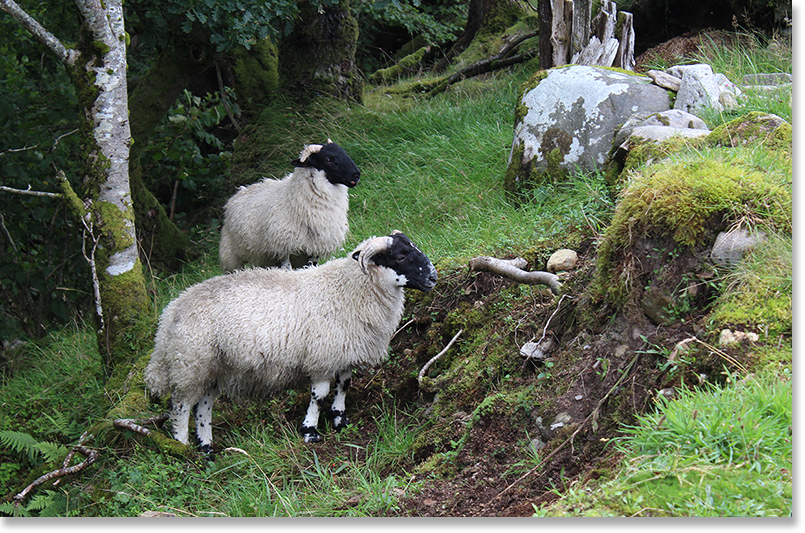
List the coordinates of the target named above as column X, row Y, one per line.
column 712, row 451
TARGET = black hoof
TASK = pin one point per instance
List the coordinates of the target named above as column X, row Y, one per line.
column 340, row 420
column 310, row 434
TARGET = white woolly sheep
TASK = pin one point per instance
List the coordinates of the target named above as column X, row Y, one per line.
column 303, row 214
column 257, row 330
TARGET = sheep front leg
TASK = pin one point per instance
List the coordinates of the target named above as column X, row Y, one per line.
column 180, row 418
column 318, row 392
column 204, row 420
column 339, row 406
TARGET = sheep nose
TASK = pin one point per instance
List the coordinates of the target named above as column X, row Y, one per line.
column 356, row 177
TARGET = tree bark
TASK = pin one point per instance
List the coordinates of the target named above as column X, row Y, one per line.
column 476, row 13
column 483, row 17
column 97, row 67
column 318, row 57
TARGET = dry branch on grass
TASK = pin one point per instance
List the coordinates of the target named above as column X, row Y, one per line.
column 90, row 454
column 512, row 269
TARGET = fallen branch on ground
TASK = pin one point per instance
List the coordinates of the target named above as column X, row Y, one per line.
column 421, row 375
column 502, row 59
column 131, row 424
column 91, row 456
column 512, row 269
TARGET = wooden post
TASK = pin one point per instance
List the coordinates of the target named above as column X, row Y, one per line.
column 582, row 15
column 625, row 56
column 561, row 30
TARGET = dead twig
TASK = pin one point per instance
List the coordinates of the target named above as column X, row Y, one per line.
column 511, row 270
column 421, row 375
column 29, row 192
column 545, row 329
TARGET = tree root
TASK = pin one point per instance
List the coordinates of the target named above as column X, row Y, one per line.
column 513, row 269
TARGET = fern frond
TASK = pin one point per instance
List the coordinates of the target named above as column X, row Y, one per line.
column 51, row 451
column 60, row 423
column 10, row 509
column 19, row 442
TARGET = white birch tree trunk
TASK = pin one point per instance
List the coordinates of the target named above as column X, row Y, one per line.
column 97, row 67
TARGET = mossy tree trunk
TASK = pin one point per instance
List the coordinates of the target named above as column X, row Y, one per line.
column 152, row 97
column 97, row 66
column 484, row 17
column 100, row 78
column 318, row 57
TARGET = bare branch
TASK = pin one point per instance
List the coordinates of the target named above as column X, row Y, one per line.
column 421, row 375
column 66, row 55
column 513, row 272
column 545, row 330
column 91, row 456
column 29, row 192
column 6, row 233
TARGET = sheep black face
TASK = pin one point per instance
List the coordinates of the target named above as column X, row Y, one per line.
column 334, row 162
column 398, row 253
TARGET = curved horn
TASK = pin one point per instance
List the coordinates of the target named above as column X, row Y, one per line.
column 309, row 149
column 373, row 247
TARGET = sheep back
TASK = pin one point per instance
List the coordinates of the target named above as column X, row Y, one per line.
column 257, row 330
column 270, row 220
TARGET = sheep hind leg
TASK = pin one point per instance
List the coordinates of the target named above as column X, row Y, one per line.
column 204, row 420
column 318, row 392
column 338, row 408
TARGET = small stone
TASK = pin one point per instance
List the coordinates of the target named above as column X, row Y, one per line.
column 536, row 444
column 777, row 78
column 355, row 500
column 667, row 393
column 730, row 246
column 533, row 350
column 578, row 397
column 562, row 260
column 727, row 337
column 664, row 80
column 561, row 419
column 655, row 305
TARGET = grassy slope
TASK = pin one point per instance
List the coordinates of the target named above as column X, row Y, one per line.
column 432, row 168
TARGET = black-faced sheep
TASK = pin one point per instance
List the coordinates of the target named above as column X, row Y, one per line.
column 303, row 214
column 255, row 331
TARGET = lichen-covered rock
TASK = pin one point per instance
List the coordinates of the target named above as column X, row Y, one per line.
column 568, row 117
column 653, row 128
column 702, row 88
